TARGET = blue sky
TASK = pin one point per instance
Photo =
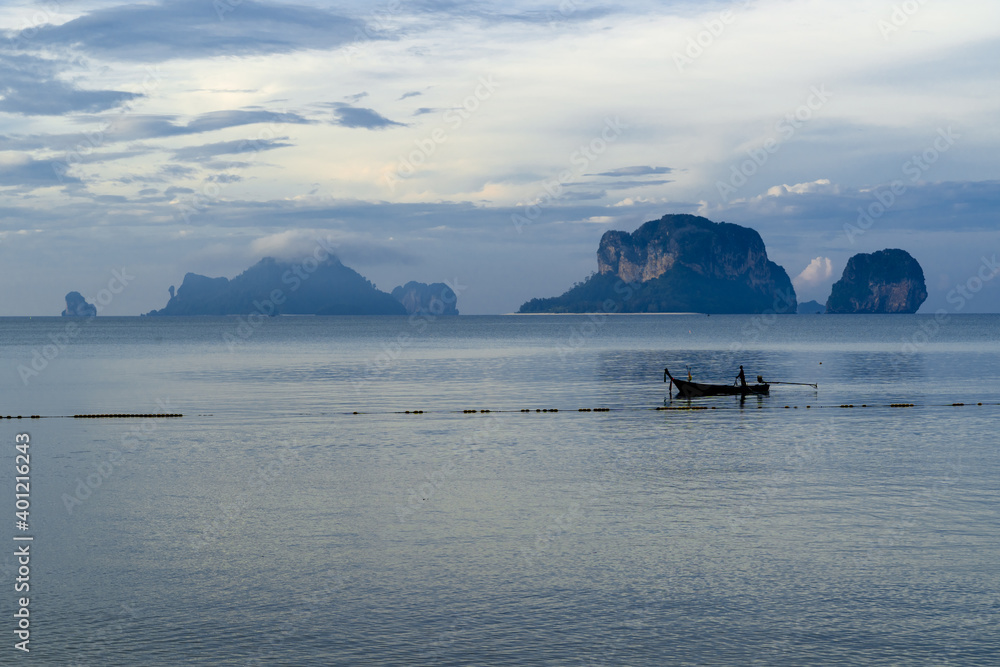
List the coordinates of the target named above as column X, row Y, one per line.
column 489, row 144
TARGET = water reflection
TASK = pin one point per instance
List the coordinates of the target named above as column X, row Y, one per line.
column 712, row 367
column 884, row 366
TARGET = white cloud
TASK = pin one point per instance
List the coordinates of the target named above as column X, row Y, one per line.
column 821, row 186
column 290, row 244
column 818, row 272
column 273, row 68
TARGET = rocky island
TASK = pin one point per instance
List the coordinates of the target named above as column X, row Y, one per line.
column 886, row 281
column 77, row 306
column 811, row 308
column 424, row 299
column 679, row 263
column 273, row 287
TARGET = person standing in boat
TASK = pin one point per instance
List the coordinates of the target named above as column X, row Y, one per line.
column 742, row 378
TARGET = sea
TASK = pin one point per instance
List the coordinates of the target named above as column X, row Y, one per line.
column 500, row 490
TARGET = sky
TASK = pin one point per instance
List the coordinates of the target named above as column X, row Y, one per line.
column 489, row 145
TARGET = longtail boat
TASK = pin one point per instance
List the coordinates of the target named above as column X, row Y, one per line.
column 688, row 389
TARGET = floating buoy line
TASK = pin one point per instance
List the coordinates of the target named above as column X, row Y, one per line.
column 669, row 408
column 101, row 416
column 482, row 411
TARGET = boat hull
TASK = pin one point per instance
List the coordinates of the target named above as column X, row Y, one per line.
column 687, row 389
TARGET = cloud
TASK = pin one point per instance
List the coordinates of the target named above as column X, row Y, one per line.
column 289, row 244
column 240, row 146
column 348, row 116
column 636, row 171
column 217, row 120
column 566, row 12
column 410, row 94
column 818, row 272
column 823, row 205
column 23, row 170
column 225, row 178
column 195, row 29
column 353, row 249
column 138, row 127
column 821, row 186
column 627, row 185
column 30, row 86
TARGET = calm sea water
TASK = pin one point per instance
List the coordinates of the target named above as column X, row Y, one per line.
column 272, row 525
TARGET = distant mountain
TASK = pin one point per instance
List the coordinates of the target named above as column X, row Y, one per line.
column 811, row 308
column 77, row 306
column 433, row 299
column 273, row 287
column 886, row 281
column 679, row 263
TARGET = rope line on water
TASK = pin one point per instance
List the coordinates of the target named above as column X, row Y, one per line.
column 625, row 408
column 99, row 416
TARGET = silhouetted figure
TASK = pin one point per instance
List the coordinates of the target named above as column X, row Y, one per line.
column 742, row 378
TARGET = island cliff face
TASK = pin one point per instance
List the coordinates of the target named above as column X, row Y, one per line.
column 77, row 306
column 680, row 263
column 424, row 299
column 886, row 281
column 273, row 287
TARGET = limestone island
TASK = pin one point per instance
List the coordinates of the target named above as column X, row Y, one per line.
column 423, row 299
column 77, row 306
column 886, row 281
column 679, row 264
column 274, row 287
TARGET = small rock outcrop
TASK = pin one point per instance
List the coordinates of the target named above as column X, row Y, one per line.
column 811, row 308
column 679, row 263
column 273, row 287
column 421, row 298
column 77, row 306
column 886, row 281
